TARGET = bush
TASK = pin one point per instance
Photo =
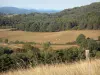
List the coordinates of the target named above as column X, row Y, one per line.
column 27, row 46
column 98, row 54
column 92, row 44
column 98, row 38
column 32, row 56
column 1, row 40
column 6, row 62
column 46, row 45
column 71, row 43
column 5, row 50
column 6, row 41
column 80, row 39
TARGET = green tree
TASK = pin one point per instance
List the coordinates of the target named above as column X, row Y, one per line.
column 80, row 39
column 92, row 44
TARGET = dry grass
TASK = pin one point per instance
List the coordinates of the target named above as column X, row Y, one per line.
column 54, row 37
column 55, row 47
column 79, row 68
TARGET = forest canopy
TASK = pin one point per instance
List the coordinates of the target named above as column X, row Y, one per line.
column 78, row 18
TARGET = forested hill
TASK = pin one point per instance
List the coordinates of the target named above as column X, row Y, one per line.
column 94, row 7
column 84, row 17
column 15, row 10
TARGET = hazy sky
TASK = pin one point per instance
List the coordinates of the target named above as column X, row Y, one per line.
column 46, row 4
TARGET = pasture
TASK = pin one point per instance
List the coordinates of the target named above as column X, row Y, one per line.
column 61, row 37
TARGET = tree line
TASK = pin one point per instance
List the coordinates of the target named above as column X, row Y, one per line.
column 85, row 17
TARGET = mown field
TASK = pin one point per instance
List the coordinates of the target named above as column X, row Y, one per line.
column 53, row 37
column 78, row 68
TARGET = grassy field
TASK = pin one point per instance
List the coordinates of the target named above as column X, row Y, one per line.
column 78, row 68
column 54, row 37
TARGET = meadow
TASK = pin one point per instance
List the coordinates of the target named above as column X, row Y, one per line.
column 77, row 68
column 61, row 37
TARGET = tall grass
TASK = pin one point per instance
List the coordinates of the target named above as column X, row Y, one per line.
column 78, row 68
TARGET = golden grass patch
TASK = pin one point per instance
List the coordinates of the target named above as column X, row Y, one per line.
column 54, row 37
column 78, row 68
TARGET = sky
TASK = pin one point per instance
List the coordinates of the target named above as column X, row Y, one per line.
column 45, row 4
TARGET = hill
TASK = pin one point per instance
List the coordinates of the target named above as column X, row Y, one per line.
column 14, row 10
column 77, row 11
column 78, row 18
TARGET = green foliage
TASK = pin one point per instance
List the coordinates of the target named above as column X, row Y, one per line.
column 92, row 44
column 6, row 41
column 33, row 56
column 1, row 40
column 98, row 38
column 98, row 46
column 98, row 54
column 5, row 50
column 18, row 42
column 27, row 46
column 71, row 43
column 85, row 17
column 6, row 62
column 46, row 45
column 88, row 43
column 80, row 39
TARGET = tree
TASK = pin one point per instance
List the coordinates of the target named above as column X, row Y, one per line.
column 92, row 44
column 80, row 39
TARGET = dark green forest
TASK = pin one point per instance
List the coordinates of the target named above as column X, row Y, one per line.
column 78, row 18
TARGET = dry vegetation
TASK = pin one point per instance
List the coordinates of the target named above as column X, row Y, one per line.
column 54, row 37
column 78, row 68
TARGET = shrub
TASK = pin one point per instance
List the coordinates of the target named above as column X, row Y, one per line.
column 71, row 43
column 5, row 50
column 98, row 38
column 98, row 54
column 80, row 39
column 27, row 46
column 1, row 40
column 46, row 45
column 6, row 41
column 31, row 56
column 6, row 62
column 92, row 44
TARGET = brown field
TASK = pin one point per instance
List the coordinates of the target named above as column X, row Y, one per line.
column 54, row 37
column 78, row 68
column 55, row 47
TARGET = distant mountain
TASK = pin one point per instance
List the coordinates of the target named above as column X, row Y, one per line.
column 14, row 10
